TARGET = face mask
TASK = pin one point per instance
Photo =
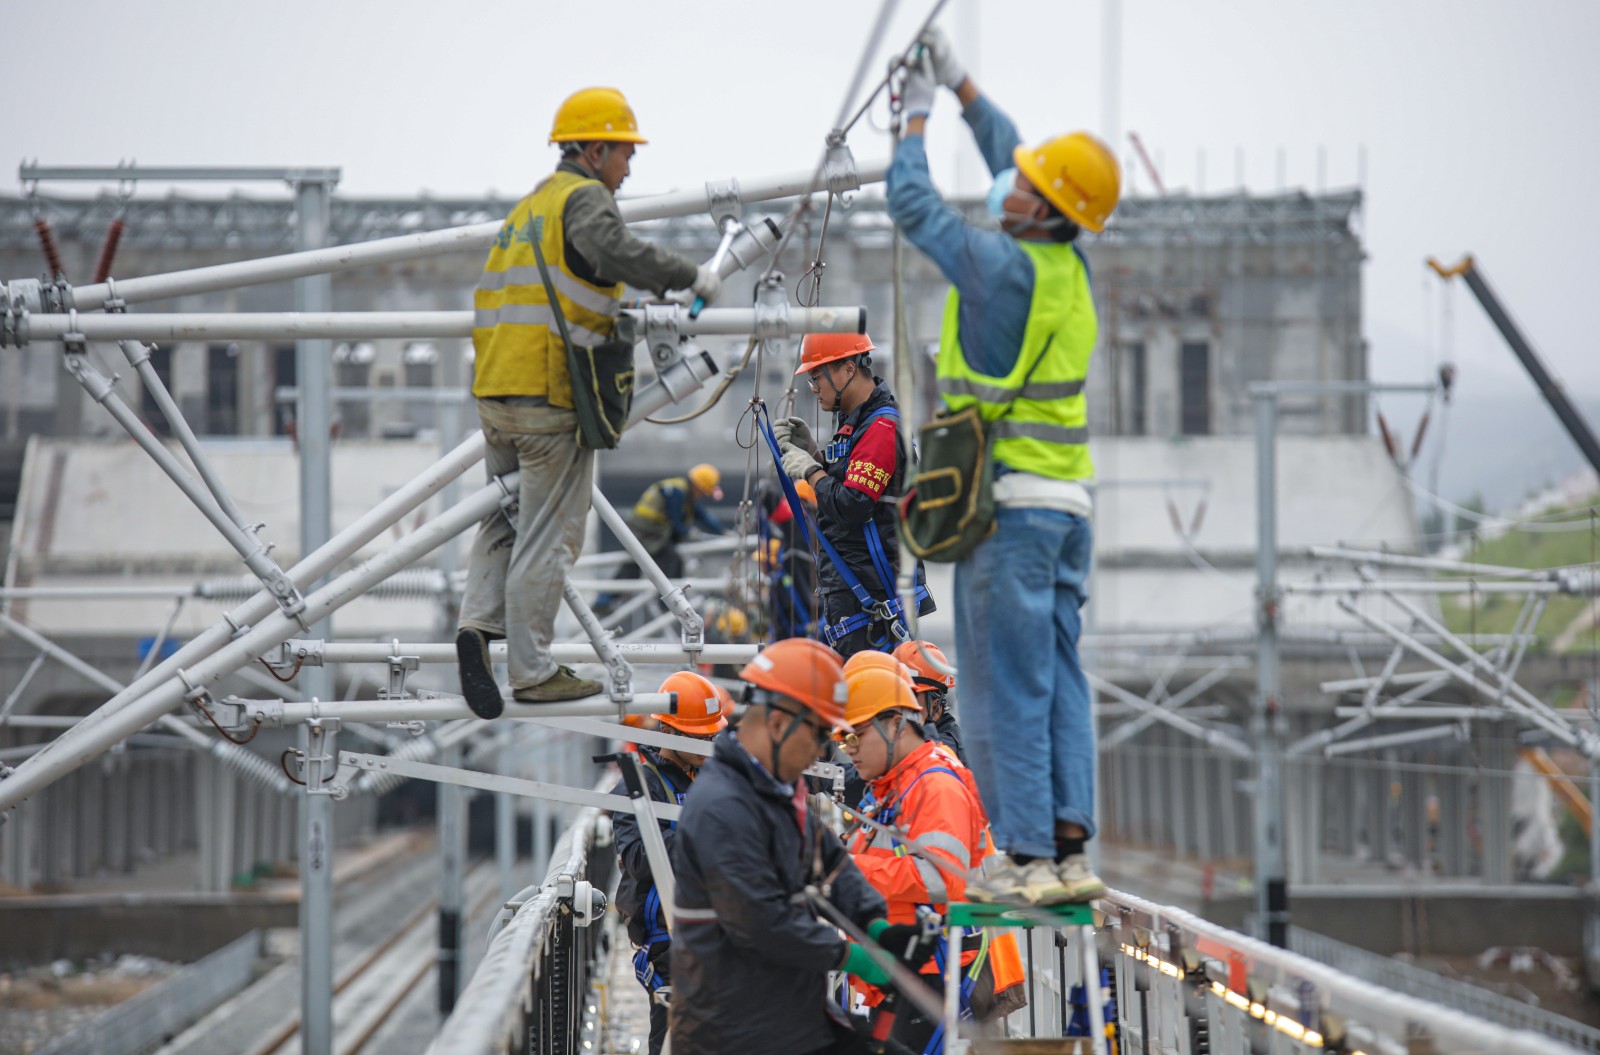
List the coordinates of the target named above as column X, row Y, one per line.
column 1004, row 184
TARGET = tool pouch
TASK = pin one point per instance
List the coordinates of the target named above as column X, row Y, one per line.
column 602, row 391
column 948, row 507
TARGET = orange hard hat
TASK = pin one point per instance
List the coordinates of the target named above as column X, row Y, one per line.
column 925, row 676
column 870, row 659
column 806, row 671
column 871, row 690
column 819, row 348
column 701, row 711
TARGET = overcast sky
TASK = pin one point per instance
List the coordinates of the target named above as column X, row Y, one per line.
column 1476, row 118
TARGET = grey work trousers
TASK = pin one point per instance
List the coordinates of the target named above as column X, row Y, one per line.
column 516, row 574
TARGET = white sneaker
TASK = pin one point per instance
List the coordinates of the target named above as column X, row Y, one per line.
column 1006, row 882
column 1077, row 875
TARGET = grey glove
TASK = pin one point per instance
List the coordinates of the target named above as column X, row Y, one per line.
column 917, row 90
column 797, row 432
column 797, row 463
column 947, row 69
column 707, row 283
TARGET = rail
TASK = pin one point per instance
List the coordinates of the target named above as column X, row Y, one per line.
column 531, row 993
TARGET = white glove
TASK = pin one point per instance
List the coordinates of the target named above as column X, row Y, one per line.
column 798, row 464
column 796, row 432
column 917, row 91
column 947, row 69
column 707, row 283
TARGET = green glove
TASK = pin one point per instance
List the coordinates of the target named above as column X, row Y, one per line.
column 858, row 963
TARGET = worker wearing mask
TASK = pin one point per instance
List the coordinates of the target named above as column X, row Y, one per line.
column 932, row 681
column 918, row 787
column 701, row 714
column 856, row 477
column 751, row 955
column 517, row 570
column 1019, row 328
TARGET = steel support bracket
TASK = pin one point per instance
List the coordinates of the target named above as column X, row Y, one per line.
column 661, row 334
column 400, row 667
column 723, row 201
column 321, row 768
column 839, row 169
column 230, row 712
column 297, row 652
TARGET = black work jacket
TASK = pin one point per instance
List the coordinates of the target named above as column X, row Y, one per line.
column 753, row 979
column 665, row 782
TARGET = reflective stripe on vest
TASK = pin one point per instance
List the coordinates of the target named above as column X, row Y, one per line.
column 519, row 351
column 1039, row 409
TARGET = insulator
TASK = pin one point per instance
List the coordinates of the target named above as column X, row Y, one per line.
column 47, row 242
column 108, row 250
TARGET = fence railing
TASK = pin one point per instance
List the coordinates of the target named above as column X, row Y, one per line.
column 1462, row 996
column 166, row 1008
column 529, row 995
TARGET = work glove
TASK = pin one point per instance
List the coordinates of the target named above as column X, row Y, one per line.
column 917, row 90
column 795, row 432
column 707, row 283
column 859, row 963
column 947, row 69
column 797, row 463
column 906, row 942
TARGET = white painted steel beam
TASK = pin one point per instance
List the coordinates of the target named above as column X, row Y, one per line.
column 372, row 325
column 471, row 238
column 563, row 652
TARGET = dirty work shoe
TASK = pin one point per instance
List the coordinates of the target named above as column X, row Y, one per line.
column 477, row 673
column 1077, row 875
column 562, row 685
column 1035, row 883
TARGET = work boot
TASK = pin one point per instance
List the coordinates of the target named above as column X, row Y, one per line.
column 1077, row 875
column 1034, row 883
column 564, row 684
column 477, row 673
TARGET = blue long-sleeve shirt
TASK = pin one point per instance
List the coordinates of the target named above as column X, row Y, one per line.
column 987, row 267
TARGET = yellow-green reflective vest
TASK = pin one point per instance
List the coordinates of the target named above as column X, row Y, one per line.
column 519, row 349
column 1045, row 430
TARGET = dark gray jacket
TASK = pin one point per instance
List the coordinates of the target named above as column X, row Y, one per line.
column 635, row 883
column 601, row 249
column 749, row 964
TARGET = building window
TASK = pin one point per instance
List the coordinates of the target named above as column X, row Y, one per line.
column 1194, row 377
column 161, row 359
column 222, row 390
column 285, row 371
column 1138, row 389
column 352, row 368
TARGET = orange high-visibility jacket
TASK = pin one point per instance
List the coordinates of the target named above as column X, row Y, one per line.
column 944, row 814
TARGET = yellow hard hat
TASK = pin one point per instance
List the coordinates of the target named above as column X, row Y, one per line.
column 1077, row 174
column 706, row 479
column 873, row 690
column 732, row 622
column 595, row 114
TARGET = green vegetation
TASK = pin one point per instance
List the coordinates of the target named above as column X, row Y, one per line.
column 1496, row 613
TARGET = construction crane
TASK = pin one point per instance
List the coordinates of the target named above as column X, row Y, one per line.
column 1553, row 393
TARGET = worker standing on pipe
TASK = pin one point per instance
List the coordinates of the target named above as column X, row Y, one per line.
column 751, row 957
column 524, row 392
column 856, row 477
column 918, row 786
column 1019, row 328
column 701, row 714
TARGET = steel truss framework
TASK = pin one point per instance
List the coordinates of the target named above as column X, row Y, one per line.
column 283, row 622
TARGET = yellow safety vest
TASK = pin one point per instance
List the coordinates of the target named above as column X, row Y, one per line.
column 519, row 349
column 1039, row 412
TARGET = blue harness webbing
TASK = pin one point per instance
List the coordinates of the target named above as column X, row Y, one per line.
column 889, row 611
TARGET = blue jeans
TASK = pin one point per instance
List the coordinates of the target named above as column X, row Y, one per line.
column 1024, row 701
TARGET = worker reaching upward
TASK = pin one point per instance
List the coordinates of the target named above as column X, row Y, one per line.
column 670, row 509
column 524, row 391
column 856, row 477
column 701, row 714
column 919, row 787
column 1019, row 328
column 751, row 956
